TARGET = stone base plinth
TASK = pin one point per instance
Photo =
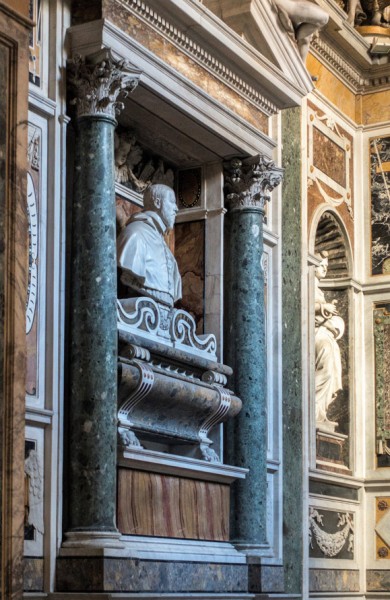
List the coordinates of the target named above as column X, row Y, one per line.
column 329, row 452
column 111, row 574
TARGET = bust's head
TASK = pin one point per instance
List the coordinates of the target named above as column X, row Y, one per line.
column 322, row 269
column 161, row 199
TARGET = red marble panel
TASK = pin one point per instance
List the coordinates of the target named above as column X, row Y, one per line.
column 190, row 256
column 167, row 506
column 327, row 157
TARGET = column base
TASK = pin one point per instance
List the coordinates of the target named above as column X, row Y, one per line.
column 93, row 540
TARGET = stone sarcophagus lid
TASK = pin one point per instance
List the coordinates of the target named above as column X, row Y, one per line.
column 171, row 387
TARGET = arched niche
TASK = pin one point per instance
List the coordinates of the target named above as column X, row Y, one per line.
column 333, row 432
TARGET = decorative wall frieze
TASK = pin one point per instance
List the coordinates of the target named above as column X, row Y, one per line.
column 249, row 182
column 96, row 82
column 331, row 544
column 198, row 53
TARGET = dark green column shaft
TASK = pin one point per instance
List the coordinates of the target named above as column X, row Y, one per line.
column 292, row 352
column 247, row 183
column 93, row 357
column 246, row 353
column 95, row 84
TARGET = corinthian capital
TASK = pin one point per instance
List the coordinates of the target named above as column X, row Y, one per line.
column 249, row 181
column 97, row 80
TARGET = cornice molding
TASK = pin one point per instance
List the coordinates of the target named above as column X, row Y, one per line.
column 202, row 56
column 346, row 54
column 336, row 63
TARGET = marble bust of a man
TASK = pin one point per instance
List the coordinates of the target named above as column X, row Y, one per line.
column 148, row 267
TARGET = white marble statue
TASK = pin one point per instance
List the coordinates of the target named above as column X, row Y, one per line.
column 148, row 266
column 358, row 10
column 122, row 148
column 302, row 19
column 329, row 327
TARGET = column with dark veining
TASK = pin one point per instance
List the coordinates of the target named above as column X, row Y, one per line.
column 95, row 84
column 248, row 183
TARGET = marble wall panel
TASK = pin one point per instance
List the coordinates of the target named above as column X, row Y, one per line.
column 13, row 283
column 334, row 580
column 364, row 109
column 378, row 580
column 380, row 205
column 150, row 576
column 121, row 16
column 167, row 506
column 33, row 574
column 34, row 492
column 381, row 325
column 374, row 108
column 124, row 210
column 330, row 167
column 329, row 157
column 331, row 87
column 35, row 39
column 382, row 528
column 190, row 256
column 292, row 433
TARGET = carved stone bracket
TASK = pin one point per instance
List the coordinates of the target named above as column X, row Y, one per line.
column 217, row 417
column 97, row 80
column 249, row 182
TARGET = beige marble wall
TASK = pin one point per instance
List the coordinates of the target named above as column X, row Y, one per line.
column 14, row 30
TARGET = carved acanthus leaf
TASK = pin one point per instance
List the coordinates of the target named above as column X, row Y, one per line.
column 249, row 182
column 96, row 82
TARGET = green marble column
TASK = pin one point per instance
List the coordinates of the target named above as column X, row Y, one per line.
column 247, row 186
column 292, row 352
column 96, row 82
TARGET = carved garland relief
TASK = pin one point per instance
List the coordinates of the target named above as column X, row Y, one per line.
column 331, row 534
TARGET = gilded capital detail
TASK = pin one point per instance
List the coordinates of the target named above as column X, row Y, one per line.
column 97, row 80
column 249, row 181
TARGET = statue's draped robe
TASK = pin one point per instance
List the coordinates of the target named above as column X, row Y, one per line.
column 328, row 373
column 148, row 265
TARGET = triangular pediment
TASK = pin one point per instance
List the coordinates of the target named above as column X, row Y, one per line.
column 257, row 22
